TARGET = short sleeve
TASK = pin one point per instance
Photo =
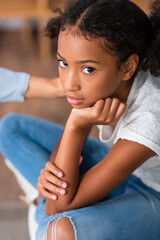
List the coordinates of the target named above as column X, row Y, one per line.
column 144, row 129
column 142, row 120
column 13, row 85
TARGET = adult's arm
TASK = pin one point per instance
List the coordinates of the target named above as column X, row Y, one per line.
column 16, row 86
column 44, row 88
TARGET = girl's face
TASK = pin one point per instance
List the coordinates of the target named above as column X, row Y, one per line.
column 87, row 72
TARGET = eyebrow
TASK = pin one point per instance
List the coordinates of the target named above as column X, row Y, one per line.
column 80, row 62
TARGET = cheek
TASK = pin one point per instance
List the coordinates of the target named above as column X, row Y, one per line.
column 99, row 87
column 104, row 87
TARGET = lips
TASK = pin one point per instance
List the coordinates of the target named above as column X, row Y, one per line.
column 74, row 100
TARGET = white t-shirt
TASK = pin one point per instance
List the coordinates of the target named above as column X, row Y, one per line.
column 140, row 123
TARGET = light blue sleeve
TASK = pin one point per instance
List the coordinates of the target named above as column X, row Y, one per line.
column 13, row 85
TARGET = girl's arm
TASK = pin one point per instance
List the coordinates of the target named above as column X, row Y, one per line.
column 51, row 176
column 100, row 180
column 44, row 88
column 67, row 159
column 70, row 148
column 103, row 178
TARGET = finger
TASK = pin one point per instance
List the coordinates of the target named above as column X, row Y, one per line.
column 45, row 193
column 97, row 108
column 106, row 108
column 51, row 187
column 120, row 111
column 54, row 169
column 113, row 110
column 80, row 160
column 47, row 175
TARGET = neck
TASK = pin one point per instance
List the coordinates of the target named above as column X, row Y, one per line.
column 123, row 90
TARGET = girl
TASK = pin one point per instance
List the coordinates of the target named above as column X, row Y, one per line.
column 108, row 53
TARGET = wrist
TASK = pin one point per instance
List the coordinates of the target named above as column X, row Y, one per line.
column 56, row 88
column 44, row 88
column 74, row 124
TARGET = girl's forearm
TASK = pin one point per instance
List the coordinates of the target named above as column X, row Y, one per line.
column 103, row 178
column 67, row 159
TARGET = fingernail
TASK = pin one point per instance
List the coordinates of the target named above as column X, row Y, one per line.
column 64, row 185
column 62, row 191
column 60, row 174
column 54, row 197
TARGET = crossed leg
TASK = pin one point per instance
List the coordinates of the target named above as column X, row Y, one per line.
column 60, row 229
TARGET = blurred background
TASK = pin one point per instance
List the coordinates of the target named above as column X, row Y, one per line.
column 23, row 47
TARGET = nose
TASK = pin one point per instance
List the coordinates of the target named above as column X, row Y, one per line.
column 72, row 82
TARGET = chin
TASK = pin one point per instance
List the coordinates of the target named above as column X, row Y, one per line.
column 80, row 106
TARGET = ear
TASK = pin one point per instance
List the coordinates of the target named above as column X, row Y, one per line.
column 129, row 67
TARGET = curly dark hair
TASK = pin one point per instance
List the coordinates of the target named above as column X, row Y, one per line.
column 125, row 27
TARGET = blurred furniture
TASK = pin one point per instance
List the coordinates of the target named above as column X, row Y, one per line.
column 144, row 4
column 25, row 9
column 39, row 10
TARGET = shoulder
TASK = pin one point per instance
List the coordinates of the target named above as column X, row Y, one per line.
column 146, row 95
column 140, row 122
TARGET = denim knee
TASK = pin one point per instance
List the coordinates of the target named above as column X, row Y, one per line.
column 9, row 121
column 8, row 124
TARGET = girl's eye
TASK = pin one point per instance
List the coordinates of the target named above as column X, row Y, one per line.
column 63, row 64
column 88, row 70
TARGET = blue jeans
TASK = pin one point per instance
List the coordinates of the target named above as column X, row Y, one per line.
column 131, row 211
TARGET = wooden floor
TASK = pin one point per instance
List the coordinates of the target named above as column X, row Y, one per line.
column 19, row 54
